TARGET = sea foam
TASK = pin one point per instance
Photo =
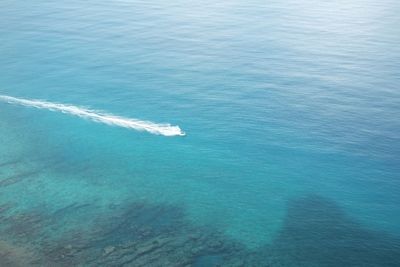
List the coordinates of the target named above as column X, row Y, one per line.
column 101, row 117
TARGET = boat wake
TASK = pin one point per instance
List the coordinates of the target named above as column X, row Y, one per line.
column 100, row 117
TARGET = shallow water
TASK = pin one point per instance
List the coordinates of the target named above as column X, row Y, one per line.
column 291, row 111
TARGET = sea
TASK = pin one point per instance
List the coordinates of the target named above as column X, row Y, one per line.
column 200, row 133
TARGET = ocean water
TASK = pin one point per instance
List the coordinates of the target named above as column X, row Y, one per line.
column 291, row 111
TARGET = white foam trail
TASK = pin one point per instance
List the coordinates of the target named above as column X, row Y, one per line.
column 135, row 124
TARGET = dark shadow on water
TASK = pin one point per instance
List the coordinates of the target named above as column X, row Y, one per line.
column 317, row 232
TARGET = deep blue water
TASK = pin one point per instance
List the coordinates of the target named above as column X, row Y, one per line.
column 292, row 116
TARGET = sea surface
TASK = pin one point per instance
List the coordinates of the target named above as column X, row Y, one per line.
column 291, row 111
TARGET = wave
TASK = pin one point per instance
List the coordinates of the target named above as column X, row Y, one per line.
column 100, row 117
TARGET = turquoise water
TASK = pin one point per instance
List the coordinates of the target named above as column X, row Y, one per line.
column 292, row 152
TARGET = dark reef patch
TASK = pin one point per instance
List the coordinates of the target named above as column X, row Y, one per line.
column 17, row 178
column 10, row 162
column 316, row 232
column 14, row 256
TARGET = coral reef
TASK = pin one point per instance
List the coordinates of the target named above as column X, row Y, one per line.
column 315, row 233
